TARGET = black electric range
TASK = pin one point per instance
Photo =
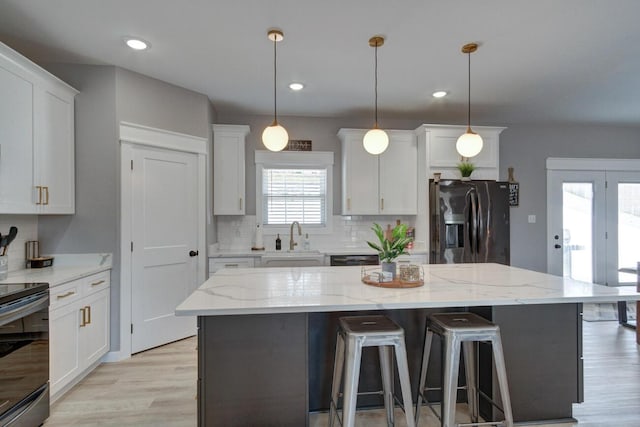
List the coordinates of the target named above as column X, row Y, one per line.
column 24, row 354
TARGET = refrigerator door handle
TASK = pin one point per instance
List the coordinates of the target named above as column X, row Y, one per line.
column 474, row 226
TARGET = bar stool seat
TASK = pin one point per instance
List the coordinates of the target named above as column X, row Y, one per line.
column 355, row 333
column 463, row 330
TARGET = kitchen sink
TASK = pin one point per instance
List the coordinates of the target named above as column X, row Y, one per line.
column 293, row 259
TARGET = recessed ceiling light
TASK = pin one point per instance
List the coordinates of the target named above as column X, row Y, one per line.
column 296, row 86
column 137, row 44
column 439, row 94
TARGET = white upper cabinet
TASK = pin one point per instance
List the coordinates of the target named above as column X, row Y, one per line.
column 379, row 185
column 54, row 164
column 229, row 169
column 36, row 139
column 16, row 141
column 441, row 155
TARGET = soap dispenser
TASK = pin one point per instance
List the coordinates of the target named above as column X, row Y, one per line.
column 306, row 245
column 278, row 243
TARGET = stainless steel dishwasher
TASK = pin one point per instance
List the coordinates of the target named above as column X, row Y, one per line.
column 345, row 260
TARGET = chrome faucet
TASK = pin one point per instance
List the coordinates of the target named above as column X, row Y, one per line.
column 292, row 243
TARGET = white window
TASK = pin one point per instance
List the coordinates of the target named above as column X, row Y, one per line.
column 294, row 186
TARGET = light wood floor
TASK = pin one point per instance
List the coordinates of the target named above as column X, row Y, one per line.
column 158, row 388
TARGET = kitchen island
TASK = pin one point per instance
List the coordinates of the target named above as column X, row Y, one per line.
column 266, row 336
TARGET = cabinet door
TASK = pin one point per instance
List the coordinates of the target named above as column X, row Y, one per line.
column 228, row 170
column 95, row 334
column 16, row 143
column 399, row 175
column 442, row 148
column 55, row 151
column 360, row 179
column 64, row 346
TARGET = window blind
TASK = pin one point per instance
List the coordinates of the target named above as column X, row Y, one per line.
column 294, row 195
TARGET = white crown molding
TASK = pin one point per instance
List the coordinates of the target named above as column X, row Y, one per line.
column 294, row 158
column 557, row 163
column 145, row 135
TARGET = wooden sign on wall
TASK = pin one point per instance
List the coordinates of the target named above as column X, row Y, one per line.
column 298, row 145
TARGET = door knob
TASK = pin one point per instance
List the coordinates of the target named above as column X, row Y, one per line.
column 193, row 253
column 557, row 246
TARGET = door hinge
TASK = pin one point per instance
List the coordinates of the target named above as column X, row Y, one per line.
column 132, row 328
column 131, row 164
column 606, row 234
column 132, row 246
column 606, row 184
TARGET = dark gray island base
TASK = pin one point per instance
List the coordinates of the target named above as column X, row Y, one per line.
column 274, row 369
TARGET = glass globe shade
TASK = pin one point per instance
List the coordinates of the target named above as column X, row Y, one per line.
column 275, row 137
column 469, row 144
column 375, row 141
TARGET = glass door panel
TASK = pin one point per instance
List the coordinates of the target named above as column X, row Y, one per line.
column 628, row 214
column 577, row 230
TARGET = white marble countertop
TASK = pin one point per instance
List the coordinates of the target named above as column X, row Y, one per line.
column 66, row 267
column 318, row 289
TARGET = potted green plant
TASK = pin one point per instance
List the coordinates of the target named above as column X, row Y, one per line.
column 390, row 248
column 466, row 168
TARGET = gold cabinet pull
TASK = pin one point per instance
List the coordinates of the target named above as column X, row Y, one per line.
column 240, row 203
column 382, row 204
column 89, row 314
column 83, row 321
column 99, row 282
column 39, row 187
column 68, row 294
column 46, row 194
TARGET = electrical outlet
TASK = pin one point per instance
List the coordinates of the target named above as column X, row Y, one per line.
column 532, row 219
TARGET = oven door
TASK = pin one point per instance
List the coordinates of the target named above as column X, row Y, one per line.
column 24, row 360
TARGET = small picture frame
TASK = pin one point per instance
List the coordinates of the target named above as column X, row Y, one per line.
column 514, row 193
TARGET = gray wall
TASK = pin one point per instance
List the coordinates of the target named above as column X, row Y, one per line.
column 526, row 148
column 150, row 102
column 109, row 95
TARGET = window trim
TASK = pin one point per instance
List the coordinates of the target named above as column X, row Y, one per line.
column 292, row 160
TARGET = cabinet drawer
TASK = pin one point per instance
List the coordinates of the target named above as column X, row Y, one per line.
column 96, row 282
column 216, row 264
column 65, row 294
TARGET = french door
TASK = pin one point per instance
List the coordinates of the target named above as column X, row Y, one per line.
column 593, row 219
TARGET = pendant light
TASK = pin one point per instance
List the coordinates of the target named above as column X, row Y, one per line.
column 275, row 137
column 469, row 144
column 376, row 140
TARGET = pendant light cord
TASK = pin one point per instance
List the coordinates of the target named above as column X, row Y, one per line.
column 376, row 87
column 275, row 72
column 469, row 93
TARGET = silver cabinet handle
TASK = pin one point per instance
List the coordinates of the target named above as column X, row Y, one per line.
column 382, row 204
column 240, row 203
column 231, row 265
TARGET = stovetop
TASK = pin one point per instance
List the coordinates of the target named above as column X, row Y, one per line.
column 13, row 291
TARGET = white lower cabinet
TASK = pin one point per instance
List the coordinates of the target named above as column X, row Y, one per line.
column 216, row 264
column 79, row 329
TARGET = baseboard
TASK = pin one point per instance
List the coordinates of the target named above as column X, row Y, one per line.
column 115, row 356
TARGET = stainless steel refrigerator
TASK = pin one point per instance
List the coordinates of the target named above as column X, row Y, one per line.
column 469, row 221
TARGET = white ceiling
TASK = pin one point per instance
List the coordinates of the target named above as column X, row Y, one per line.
column 538, row 61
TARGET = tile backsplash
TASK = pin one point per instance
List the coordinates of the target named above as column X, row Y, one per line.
column 27, row 230
column 238, row 232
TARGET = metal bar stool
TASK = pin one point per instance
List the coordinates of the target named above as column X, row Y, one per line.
column 354, row 333
column 456, row 330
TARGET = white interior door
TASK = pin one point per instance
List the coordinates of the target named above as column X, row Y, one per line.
column 165, row 231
